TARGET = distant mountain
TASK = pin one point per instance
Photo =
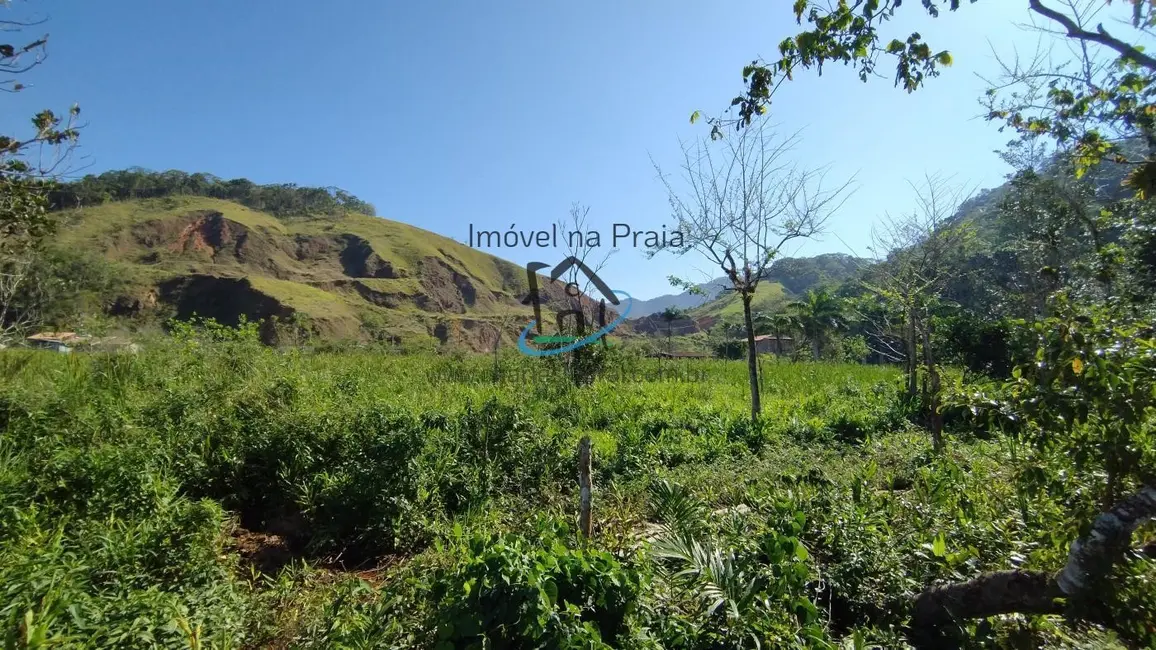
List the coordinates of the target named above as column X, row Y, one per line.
column 684, row 300
column 770, row 297
column 787, row 278
column 801, row 274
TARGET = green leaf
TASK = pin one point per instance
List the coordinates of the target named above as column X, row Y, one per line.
column 939, row 546
column 801, row 552
column 551, row 590
column 694, row 116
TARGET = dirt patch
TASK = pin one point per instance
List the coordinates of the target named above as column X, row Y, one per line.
column 656, row 324
column 466, row 289
column 207, row 233
column 202, row 231
column 479, row 335
column 313, row 249
column 266, row 552
column 204, row 234
column 132, row 305
column 388, row 299
column 374, row 296
column 441, row 332
column 447, row 289
column 553, row 296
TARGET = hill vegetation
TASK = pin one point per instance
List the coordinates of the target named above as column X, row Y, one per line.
column 796, row 275
column 284, row 200
column 341, row 276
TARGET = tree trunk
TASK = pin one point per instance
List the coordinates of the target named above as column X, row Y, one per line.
column 911, row 352
column 815, row 348
column 1090, row 562
column 497, row 369
column 991, row 594
column 1091, row 557
column 752, row 360
column 934, row 417
column 585, row 487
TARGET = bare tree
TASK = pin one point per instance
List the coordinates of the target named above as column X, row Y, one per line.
column 743, row 200
column 920, row 250
column 578, row 274
column 21, row 297
column 507, row 322
column 575, row 246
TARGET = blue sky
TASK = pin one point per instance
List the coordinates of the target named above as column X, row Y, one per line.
column 449, row 114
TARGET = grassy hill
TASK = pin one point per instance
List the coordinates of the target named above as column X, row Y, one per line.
column 786, row 279
column 770, row 297
column 350, row 276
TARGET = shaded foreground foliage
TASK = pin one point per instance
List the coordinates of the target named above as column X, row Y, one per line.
column 419, row 503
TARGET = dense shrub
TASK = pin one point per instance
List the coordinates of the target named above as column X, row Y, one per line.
column 537, row 590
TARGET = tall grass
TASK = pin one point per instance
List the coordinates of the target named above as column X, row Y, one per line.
column 128, row 483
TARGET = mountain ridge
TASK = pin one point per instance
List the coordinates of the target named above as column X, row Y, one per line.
column 795, row 276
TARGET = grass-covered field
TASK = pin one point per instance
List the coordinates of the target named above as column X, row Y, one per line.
column 224, row 494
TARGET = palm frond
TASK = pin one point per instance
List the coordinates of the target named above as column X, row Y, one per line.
column 676, row 508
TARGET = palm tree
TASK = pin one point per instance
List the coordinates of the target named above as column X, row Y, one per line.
column 671, row 314
column 778, row 325
column 818, row 314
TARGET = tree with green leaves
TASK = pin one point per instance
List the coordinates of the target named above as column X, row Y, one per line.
column 29, row 161
column 278, row 199
column 740, row 201
column 777, row 325
column 1082, row 409
column 818, row 315
column 671, row 314
column 1089, row 107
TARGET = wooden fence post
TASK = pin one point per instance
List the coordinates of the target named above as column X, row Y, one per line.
column 585, row 485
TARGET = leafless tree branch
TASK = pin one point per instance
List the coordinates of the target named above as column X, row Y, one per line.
column 1100, row 36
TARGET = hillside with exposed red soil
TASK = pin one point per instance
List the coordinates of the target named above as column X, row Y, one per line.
column 353, row 277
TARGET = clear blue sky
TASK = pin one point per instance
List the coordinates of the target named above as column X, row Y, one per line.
column 495, row 113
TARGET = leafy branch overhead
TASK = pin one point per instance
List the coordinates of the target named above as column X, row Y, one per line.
column 29, row 164
column 1089, row 113
column 847, row 33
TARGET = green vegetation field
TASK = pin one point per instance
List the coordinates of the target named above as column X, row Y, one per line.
column 215, row 494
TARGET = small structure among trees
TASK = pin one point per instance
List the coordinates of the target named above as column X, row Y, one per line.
column 776, row 345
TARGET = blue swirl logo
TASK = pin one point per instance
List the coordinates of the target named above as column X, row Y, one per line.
column 587, row 340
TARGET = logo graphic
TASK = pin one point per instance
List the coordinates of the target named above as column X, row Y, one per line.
column 574, row 291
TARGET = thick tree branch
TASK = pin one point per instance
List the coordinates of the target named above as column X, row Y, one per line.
column 1100, row 36
column 1092, row 556
column 1026, row 592
column 1090, row 561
